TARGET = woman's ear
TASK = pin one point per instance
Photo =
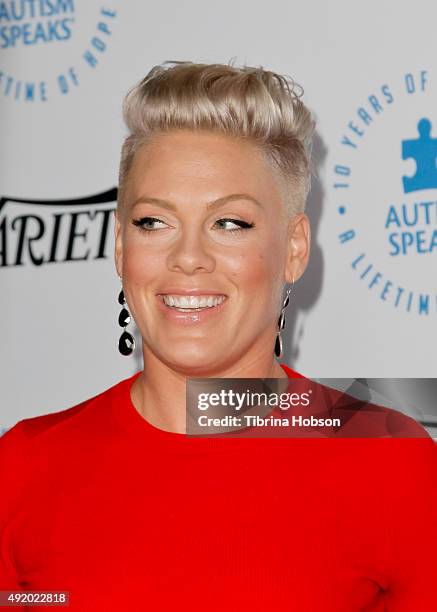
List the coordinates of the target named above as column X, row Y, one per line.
column 118, row 255
column 298, row 247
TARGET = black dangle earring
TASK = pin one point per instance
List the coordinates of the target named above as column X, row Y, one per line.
column 126, row 343
column 281, row 324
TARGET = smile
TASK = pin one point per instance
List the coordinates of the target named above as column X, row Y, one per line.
column 192, row 303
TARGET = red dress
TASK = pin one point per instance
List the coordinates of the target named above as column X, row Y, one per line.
column 124, row 516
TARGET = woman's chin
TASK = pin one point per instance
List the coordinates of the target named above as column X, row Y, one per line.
column 194, row 364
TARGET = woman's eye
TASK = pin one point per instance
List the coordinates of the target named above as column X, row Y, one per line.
column 151, row 224
column 241, row 225
column 147, row 223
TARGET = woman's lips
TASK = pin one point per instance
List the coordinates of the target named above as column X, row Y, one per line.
column 188, row 318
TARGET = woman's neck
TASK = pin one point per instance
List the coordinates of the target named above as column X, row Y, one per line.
column 159, row 393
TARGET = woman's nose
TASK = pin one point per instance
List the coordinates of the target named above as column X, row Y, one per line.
column 191, row 253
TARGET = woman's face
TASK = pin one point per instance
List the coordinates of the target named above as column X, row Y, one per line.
column 203, row 216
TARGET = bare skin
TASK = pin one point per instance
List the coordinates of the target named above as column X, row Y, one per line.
column 190, row 246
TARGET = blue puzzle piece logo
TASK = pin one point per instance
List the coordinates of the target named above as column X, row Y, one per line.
column 424, row 151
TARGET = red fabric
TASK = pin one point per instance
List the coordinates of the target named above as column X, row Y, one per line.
column 124, row 516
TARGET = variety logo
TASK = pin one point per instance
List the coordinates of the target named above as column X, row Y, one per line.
column 54, row 231
column 54, row 41
column 385, row 186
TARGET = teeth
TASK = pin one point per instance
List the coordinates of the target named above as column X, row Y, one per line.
column 193, row 301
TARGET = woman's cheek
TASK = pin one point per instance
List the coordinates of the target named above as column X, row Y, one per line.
column 140, row 263
column 253, row 274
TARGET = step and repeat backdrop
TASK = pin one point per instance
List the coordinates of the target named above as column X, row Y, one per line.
column 367, row 305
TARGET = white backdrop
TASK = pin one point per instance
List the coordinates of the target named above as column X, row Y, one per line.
column 367, row 306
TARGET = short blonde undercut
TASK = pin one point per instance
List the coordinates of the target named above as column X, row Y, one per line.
column 248, row 103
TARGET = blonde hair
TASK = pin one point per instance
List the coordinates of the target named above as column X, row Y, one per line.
column 249, row 103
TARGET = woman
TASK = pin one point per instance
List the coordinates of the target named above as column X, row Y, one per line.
column 110, row 500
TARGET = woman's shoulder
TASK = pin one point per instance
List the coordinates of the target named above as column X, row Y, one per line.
column 358, row 418
column 81, row 417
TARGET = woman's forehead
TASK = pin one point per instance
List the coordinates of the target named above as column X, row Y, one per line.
column 192, row 161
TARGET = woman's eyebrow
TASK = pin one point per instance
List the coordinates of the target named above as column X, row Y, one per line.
column 232, row 197
column 209, row 205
